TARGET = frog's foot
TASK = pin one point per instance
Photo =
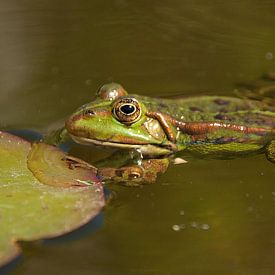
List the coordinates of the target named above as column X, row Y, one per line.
column 270, row 151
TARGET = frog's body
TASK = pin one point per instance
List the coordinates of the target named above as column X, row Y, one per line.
column 157, row 126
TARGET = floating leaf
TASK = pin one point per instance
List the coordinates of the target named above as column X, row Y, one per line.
column 29, row 209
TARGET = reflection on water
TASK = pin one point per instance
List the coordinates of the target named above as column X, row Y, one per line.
column 204, row 216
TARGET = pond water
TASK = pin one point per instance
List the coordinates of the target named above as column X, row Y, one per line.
column 203, row 217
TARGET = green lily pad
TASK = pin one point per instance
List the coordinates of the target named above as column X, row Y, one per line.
column 41, row 194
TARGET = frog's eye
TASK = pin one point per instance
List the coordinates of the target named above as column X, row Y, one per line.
column 111, row 91
column 127, row 110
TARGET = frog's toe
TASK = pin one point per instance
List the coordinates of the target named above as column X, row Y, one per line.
column 270, row 151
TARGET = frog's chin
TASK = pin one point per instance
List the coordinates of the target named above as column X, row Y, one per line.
column 145, row 149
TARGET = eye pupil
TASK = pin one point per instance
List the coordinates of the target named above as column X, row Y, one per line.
column 128, row 109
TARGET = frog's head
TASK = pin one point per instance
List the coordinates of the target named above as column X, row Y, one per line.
column 117, row 119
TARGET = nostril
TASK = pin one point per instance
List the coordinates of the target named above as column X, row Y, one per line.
column 89, row 112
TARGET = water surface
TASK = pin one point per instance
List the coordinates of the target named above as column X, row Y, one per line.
column 204, row 217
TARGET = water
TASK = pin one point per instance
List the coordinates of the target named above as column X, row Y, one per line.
column 54, row 56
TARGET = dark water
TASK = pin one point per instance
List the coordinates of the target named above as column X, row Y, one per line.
column 204, row 217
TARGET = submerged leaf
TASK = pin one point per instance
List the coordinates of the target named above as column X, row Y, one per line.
column 51, row 166
column 29, row 209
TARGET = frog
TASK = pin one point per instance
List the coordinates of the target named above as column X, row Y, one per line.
column 202, row 125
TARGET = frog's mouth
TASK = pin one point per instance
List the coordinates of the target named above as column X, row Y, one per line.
column 145, row 149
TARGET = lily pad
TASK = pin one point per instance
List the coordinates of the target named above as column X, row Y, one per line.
column 52, row 199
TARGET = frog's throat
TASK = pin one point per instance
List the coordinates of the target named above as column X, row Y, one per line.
column 145, row 149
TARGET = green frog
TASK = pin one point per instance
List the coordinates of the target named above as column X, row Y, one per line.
column 215, row 125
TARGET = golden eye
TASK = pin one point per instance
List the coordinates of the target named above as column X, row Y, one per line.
column 127, row 110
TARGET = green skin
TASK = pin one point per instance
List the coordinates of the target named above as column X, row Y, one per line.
column 216, row 125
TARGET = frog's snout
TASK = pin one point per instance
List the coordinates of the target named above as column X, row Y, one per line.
column 83, row 122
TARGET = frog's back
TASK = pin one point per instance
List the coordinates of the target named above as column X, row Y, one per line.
column 251, row 113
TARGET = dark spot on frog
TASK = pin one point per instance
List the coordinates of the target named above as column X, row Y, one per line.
column 223, row 110
column 223, row 140
column 262, row 134
column 195, row 109
column 222, row 117
column 259, row 120
column 163, row 105
column 220, row 101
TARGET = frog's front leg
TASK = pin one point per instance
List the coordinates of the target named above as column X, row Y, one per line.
column 270, row 151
